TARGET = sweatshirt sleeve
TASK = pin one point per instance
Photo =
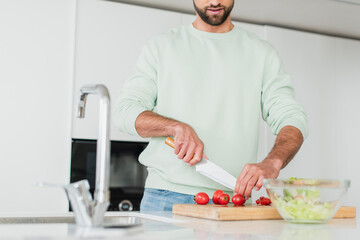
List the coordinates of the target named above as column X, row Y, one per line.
column 138, row 94
column 278, row 103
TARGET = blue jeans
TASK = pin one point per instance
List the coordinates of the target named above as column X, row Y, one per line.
column 163, row 200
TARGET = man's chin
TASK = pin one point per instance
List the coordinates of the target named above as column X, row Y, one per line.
column 215, row 22
column 215, row 18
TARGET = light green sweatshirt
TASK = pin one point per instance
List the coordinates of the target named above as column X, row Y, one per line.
column 218, row 83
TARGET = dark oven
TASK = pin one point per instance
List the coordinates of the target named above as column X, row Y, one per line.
column 127, row 175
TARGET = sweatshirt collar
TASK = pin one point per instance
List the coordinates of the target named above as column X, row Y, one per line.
column 197, row 32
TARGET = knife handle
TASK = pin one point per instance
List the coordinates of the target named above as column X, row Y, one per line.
column 169, row 141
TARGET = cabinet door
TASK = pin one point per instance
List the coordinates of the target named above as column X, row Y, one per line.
column 347, row 115
column 109, row 39
column 310, row 60
column 36, row 59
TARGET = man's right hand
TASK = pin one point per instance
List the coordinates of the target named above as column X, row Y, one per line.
column 188, row 145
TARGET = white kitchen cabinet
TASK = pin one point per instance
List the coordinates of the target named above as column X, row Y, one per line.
column 36, row 59
column 109, row 39
column 310, row 60
column 348, row 114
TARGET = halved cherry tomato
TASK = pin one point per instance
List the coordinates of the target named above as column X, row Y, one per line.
column 238, row 199
column 224, row 198
column 266, row 201
column 216, row 196
column 201, row 198
column 263, row 201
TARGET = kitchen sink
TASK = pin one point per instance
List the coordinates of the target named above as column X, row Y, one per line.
column 30, row 220
column 117, row 219
column 108, row 220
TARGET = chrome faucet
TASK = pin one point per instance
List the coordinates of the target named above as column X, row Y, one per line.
column 90, row 212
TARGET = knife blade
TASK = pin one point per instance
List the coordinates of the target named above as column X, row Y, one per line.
column 210, row 169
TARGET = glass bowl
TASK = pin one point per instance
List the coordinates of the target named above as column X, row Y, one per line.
column 306, row 200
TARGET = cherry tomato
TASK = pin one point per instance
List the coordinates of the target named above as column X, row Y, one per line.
column 201, row 198
column 224, row 198
column 216, row 196
column 263, row 201
column 266, row 201
column 238, row 199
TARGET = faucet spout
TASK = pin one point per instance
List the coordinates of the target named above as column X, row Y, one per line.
column 90, row 212
column 82, row 105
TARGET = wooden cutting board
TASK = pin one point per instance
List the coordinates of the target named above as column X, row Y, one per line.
column 247, row 212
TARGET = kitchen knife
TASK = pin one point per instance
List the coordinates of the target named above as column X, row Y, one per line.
column 210, row 169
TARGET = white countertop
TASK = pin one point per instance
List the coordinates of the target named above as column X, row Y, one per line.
column 164, row 225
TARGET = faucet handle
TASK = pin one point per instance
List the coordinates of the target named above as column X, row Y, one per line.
column 81, row 202
column 82, row 188
column 45, row 184
column 80, row 199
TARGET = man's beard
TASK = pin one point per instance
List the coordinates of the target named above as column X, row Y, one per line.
column 214, row 20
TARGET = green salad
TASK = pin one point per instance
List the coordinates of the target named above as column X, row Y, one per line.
column 303, row 203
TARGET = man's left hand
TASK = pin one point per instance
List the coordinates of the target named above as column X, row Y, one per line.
column 287, row 143
column 253, row 175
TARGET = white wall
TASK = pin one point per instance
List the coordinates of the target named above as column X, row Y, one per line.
column 348, row 114
column 109, row 39
column 36, row 59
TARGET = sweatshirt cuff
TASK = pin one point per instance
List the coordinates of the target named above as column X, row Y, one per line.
column 299, row 124
column 132, row 115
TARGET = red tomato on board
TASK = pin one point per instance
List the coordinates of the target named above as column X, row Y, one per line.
column 238, row 199
column 216, row 196
column 224, row 199
column 263, row 201
column 201, row 198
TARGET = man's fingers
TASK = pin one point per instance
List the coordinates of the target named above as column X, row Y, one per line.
column 189, row 153
column 239, row 180
column 188, row 146
column 249, row 186
column 194, row 161
column 244, row 171
column 259, row 183
column 177, row 148
column 252, row 176
column 197, row 156
column 243, row 183
column 242, row 179
column 183, row 151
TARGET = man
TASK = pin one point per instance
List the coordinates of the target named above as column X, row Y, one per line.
column 206, row 85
